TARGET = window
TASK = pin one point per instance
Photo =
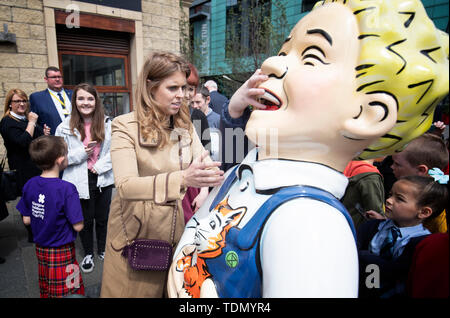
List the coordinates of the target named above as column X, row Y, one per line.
column 246, row 26
column 98, row 57
column 106, row 72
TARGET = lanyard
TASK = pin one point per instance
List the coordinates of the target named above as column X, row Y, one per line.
column 61, row 101
column 63, row 104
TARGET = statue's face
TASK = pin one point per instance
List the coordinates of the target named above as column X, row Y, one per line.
column 312, row 81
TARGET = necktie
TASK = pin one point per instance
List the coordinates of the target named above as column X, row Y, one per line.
column 388, row 244
column 63, row 104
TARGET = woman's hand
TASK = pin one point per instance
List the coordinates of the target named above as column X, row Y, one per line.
column 200, row 199
column 202, row 174
column 32, row 117
column 247, row 94
column 90, row 147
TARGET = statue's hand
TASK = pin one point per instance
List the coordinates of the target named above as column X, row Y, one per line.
column 247, row 94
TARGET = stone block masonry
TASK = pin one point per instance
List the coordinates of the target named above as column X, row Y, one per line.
column 22, row 65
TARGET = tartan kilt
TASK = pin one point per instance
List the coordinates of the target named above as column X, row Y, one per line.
column 59, row 273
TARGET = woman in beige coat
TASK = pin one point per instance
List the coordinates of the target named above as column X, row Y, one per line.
column 156, row 155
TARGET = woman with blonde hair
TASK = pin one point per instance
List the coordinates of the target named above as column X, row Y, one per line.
column 156, row 155
column 18, row 128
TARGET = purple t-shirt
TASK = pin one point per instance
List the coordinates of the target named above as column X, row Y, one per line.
column 53, row 206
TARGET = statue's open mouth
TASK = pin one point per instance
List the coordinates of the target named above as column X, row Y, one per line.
column 271, row 101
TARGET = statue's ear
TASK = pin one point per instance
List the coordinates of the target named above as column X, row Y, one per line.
column 377, row 115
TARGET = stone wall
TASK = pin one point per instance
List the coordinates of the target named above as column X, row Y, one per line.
column 23, row 65
column 161, row 25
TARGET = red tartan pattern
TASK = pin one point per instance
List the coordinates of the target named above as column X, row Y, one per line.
column 59, row 273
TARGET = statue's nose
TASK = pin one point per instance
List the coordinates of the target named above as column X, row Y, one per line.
column 275, row 66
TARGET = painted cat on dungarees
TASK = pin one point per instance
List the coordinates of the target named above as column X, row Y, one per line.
column 210, row 242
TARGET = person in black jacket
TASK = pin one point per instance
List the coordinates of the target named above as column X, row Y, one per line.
column 18, row 128
column 218, row 100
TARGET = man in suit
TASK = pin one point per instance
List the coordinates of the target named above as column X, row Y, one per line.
column 217, row 100
column 54, row 103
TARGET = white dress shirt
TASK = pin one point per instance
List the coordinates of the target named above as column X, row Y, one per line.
column 57, row 102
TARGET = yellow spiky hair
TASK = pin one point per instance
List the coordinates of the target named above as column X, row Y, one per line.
column 404, row 54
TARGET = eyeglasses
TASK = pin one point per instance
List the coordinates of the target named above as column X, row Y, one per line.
column 54, row 77
column 19, row 101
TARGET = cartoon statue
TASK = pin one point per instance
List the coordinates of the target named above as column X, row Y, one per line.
column 354, row 79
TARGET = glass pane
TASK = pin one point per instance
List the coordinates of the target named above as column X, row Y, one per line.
column 115, row 104
column 96, row 70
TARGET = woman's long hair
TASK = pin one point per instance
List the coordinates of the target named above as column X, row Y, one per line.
column 9, row 97
column 98, row 117
column 158, row 67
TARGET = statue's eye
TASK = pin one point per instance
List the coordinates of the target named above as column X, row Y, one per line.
column 212, row 224
column 311, row 54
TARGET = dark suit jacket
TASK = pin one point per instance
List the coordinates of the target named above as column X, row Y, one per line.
column 17, row 141
column 217, row 101
column 392, row 272
column 42, row 104
column 233, row 152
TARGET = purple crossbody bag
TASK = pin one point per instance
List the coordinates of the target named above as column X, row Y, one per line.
column 152, row 255
column 147, row 254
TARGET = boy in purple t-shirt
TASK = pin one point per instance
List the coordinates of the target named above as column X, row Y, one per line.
column 53, row 209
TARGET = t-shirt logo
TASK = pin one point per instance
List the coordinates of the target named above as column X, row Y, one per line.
column 38, row 209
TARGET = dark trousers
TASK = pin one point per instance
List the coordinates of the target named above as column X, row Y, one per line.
column 95, row 209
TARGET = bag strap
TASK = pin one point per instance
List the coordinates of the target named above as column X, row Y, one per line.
column 175, row 209
column 251, row 231
column 123, row 227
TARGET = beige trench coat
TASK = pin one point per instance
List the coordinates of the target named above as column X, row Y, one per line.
column 148, row 183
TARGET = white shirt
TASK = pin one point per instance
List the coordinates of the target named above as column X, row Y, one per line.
column 406, row 233
column 20, row 117
column 307, row 247
column 57, row 102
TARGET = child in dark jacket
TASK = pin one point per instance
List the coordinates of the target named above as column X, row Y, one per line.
column 386, row 246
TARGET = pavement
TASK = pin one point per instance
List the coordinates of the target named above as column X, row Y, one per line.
column 19, row 273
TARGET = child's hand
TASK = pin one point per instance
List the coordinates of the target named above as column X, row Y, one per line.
column 247, row 94
column 371, row 214
column 78, row 226
column 26, row 220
